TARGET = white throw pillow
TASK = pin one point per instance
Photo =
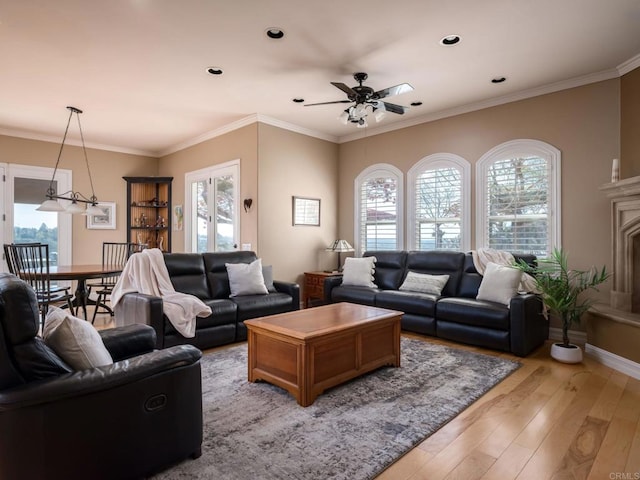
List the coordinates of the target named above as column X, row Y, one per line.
column 76, row 341
column 246, row 278
column 358, row 272
column 424, row 283
column 499, row 283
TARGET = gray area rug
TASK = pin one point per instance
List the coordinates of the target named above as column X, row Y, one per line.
column 353, row 431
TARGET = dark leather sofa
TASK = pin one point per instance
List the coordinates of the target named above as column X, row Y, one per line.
column 456, row 314
column 205, row 276
column 126, row 420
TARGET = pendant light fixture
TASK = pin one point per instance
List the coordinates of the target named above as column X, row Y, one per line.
column 76, row 198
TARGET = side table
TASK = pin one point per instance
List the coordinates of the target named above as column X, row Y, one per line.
column 314, row 285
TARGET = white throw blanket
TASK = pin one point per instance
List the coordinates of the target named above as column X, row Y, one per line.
column 146, row 272
column 482, row 256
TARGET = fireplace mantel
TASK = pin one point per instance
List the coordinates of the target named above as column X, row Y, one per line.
column 625, row 236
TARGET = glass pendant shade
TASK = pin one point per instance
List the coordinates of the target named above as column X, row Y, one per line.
column 74, row 207
column 50, row 206
column 93, row 210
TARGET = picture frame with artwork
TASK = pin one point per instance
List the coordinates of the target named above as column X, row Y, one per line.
column 107, row 221
column 306, row 211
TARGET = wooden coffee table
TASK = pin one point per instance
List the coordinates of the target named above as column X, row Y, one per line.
column 307, row 351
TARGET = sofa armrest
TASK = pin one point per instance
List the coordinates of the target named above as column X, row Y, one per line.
column 289, row 288
column 529, row 328
column 108, row 377
column 329, row 284
column 129, row 341
column 144, row 309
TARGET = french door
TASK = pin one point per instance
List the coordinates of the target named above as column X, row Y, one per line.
column 211, row 208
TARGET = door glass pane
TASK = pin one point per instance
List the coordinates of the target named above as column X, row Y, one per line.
column 30, row 225
column 200, row 215
column 225, row 215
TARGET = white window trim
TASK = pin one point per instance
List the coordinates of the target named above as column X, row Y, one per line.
column 511, row 149
column 374, row 171
column 433, row 162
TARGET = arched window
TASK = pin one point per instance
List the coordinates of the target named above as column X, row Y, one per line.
column 438, row 203
column 378, row 209
column 518, row 197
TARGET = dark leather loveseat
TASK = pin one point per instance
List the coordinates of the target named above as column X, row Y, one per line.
column 129, row 419
column 205, row 276
column 456, row 314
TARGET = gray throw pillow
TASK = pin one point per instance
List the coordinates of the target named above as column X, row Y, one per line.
column 246, row 278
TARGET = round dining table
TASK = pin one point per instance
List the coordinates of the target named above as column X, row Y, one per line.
column 82, row 273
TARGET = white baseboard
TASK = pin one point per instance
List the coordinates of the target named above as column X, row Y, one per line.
column 577, row 337
column 624, row 365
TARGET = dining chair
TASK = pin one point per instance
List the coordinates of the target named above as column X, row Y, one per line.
column 30, row 262
column 113, row 253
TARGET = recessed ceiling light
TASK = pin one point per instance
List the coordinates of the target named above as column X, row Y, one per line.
column 275, row 33
column 498, row 80
column 214, row 70
column 416, row 104
column 298, row 100
column 449, row 40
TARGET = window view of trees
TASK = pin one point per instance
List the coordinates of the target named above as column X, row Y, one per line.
column 518, row 205
column 44, row 234
column 438, row 209
column 224, row 213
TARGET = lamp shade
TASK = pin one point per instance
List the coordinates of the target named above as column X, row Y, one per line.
column 50, row 205
column 74, row 207
column 94, row 210
column 340, row 246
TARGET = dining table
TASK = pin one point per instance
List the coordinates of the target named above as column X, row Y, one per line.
column 81, row 273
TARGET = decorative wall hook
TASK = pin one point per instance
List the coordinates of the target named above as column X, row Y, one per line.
column 247, row 204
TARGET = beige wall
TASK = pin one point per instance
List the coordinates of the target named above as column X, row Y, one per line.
column 582, row 122
column 107, row 170
column 239, row 144
column 630, row 124
column 292, row 164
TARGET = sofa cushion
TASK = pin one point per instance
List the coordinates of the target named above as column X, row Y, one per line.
column 407, row 302
column 499, row 283
column 251, row 306
column 216, row 271
column 468, row 311
column 187, row 274
column 76, row 341
column 390, row 267
column 246, row 278
column 361, row 295
column 424, row 283
column 358, row 272
column 438, row 262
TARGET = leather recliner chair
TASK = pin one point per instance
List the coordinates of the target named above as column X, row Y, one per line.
column 125, row 420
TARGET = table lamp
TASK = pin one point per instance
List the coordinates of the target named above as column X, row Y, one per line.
column 340, row 246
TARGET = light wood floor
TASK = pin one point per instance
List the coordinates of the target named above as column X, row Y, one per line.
column 547, row 420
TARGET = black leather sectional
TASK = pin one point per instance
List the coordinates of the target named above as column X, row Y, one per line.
column 456, row 314
column 205, row 276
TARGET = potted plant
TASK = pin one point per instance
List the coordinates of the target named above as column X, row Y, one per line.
column 561, row 289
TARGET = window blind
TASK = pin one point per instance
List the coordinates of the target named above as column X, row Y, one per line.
column 378, row 214
column 518, row 205
column 438, row 209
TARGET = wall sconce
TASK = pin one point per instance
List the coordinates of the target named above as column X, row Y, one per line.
column 247, row 204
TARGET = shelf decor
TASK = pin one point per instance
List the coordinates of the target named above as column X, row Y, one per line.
column 149, row 211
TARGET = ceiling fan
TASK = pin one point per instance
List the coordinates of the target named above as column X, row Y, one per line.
column 362, row 97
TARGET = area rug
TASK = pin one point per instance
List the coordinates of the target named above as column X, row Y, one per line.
column 353, row 431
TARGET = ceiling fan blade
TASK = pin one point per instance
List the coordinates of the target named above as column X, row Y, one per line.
column 327, row 103
column 397, row 90
column 346, row 89
column 393, row 108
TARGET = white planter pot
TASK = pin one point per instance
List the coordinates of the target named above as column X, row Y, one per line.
column 570, row 354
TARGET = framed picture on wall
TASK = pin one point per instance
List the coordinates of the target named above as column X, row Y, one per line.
column 306, row 211
column 105, row 221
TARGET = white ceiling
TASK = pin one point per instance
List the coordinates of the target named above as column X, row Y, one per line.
column 138, row 67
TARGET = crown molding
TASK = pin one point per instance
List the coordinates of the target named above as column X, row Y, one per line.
column 70, row 141
column 629, row 65
column 296, row 128
column 492, row 102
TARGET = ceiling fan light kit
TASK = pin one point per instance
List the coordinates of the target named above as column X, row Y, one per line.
column 365, row 100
